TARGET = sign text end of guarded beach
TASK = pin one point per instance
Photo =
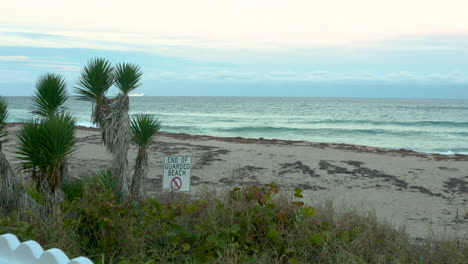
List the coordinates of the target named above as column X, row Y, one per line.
column 177, row 172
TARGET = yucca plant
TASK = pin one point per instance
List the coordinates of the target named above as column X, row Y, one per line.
column 95, row 80
column 13, row 196
column 127, row 77
column 117, row 133
column 111, row 114
column 50, row 96
column 144, row 128
column 44, row 146
column 8, row 181
column 3, row 119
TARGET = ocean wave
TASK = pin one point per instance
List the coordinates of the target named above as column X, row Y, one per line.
column 445, row 124
column 85, row 124
column 18, row 120
column 320, row 131
column 462, row 151
column 182, row 129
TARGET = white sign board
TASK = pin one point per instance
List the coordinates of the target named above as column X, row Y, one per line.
column 177, row 172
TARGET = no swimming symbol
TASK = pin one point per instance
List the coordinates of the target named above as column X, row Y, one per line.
column 176, row 183
column 177, row 173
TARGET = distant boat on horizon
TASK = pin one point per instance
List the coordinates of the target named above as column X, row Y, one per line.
column 136, row 94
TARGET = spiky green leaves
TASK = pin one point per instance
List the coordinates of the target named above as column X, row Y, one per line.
column 50, row 95
column 44, row 145
column 144, row 128
column 95, row 80
column 127, row 77
column 3, row 118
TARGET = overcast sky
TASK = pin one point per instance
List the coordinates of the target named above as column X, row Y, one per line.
column 333, row 48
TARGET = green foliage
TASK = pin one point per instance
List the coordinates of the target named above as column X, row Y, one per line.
column 73, row 189
column 35, row 194
column 44, row 145
column 103, row 181
column 127, row 77
column 3, row 118
column 95, row 80
column 50, row 95
column 254, row 224
column 144, row 127
column 22, row 229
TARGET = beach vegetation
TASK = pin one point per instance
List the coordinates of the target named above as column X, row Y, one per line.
column 9, row 184
column 246, row 224
column 49, row 100
column 117, row 133
column 50, row 95
column 13, row 196
column 144, row 128
column 43, row 148
column 3, row 119
column 95, row 80
column 97, row 218
column 46, row 142
column 127, row 77
column 111, row 114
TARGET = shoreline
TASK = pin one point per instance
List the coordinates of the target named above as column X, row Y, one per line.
column 338, row 146
column 425, row 193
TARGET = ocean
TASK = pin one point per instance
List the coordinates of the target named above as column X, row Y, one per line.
column 425, row 125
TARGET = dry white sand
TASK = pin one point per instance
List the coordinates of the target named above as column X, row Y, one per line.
column 426, row 194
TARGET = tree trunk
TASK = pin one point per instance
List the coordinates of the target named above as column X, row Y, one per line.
column 116, row 135
column 52, row 193
column 120, row 172
column 13, row 196
column 65, row 172
column 138, row 188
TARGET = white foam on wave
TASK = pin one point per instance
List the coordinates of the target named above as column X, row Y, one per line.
column 85, row 124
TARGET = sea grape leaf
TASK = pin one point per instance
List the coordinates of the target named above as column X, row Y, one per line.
column 273, row 233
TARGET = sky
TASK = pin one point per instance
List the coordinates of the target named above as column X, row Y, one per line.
column 333, row 48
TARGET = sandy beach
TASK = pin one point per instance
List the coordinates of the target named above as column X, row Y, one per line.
column 424, row 193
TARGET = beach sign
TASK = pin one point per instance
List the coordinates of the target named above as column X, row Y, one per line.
column 177, row 172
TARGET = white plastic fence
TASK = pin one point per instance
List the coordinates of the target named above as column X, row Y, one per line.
column 12, row 251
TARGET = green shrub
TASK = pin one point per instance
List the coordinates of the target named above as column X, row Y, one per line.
column 35, row 194
column 254, row 224
column 73, row 189
column 103, row 181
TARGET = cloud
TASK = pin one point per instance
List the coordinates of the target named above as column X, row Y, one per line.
column 15, row 58
column 56, row 67
column 295, row 22
column 239, row 76
column 35, row 35
column 235, row 76
column 209, row 29
column 38, row 63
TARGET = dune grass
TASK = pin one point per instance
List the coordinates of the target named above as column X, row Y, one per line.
column 253, row 224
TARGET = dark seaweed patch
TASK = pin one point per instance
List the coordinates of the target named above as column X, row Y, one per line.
column 297, row 167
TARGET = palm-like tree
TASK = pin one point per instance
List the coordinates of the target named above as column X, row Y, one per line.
column 44, row 146
column 127, row 77
column 13, row 196
column 117, row 133
column 111, row 114
column 3, row 118
column 8, row 181
column 95, row 80
column 48, row 100
column 50, row 95
column 144, row 128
